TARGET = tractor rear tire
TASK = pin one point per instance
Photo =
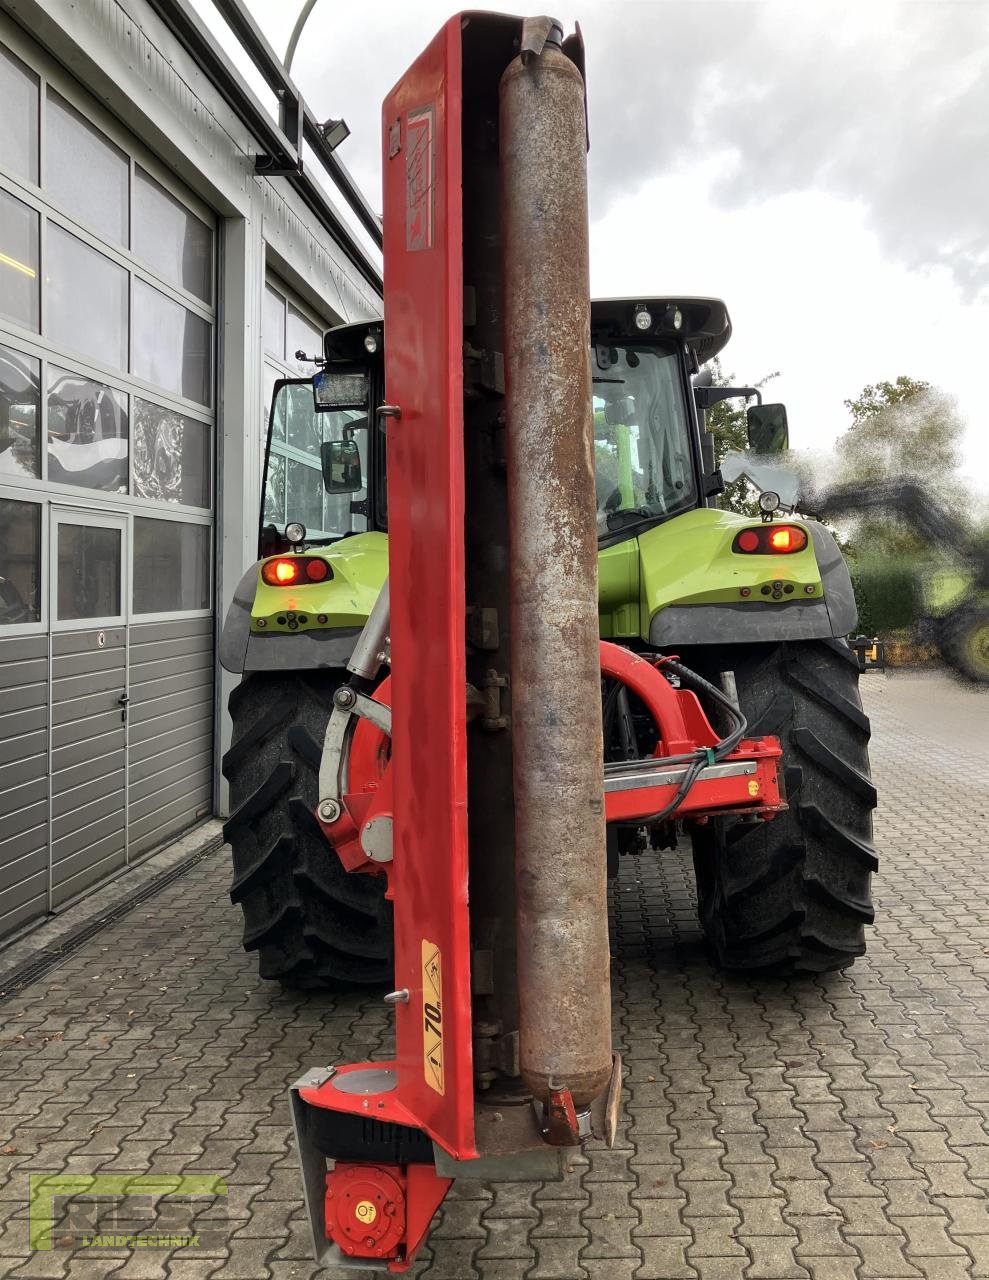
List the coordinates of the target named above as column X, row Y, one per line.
column 312, row 923
column 793, row 895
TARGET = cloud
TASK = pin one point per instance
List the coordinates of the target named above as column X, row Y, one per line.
column 884, row 104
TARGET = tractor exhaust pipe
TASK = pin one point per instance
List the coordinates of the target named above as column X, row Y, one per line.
column 562, row 915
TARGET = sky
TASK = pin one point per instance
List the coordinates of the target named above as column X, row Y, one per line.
column 819, row 164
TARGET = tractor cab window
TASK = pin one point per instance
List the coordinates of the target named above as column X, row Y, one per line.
column 293, row 478
column 643, row 459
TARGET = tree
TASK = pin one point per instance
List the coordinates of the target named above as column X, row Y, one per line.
column 905, row 430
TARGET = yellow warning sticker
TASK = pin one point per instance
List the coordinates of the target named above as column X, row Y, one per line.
column 365, row 1211
column 753, row 788
column 432, row 1015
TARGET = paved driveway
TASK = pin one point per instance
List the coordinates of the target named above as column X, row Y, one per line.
column 833, row 1128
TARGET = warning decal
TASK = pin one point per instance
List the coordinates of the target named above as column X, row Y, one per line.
column 432, row 1016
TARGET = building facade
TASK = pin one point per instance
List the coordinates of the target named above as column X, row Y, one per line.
column 152, row 287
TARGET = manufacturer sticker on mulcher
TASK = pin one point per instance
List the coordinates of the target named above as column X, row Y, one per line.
column 432, row 1015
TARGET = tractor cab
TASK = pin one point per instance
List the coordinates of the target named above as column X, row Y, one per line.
column 324, row 459
column 325, row 455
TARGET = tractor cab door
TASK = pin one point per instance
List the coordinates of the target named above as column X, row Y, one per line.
column 294, row 487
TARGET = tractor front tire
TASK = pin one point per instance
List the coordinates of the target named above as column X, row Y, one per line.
column 964, row 642
column 312, row 923
column 793, row 895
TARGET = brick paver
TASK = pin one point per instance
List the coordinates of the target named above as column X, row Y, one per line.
column 833, row 1128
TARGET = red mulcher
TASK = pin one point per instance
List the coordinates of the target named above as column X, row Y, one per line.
column 472, row 777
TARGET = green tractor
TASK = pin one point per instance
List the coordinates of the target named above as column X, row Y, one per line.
column 760, row 606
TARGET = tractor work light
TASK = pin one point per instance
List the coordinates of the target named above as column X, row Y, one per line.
column 295, row 532
column 370, row 343
column 769, row 501
column 771, row 539
column 295, row 571
column 643, row 318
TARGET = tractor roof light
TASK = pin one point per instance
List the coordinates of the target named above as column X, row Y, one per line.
column 295, row 571
column 770, row 540
column 673, row 319
column 643, row 318
column 371, row 343
column 295, row 532
column 769, row 501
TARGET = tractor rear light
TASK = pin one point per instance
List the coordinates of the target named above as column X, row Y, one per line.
column 771, row 539
column 290, row 571
column 748, row 540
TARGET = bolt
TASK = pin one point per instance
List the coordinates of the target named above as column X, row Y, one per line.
column 345, row 697
column 329, row 810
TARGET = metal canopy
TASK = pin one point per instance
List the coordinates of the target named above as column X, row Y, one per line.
column 281, row 154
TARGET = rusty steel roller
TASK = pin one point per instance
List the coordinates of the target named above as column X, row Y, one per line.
column 562, row 919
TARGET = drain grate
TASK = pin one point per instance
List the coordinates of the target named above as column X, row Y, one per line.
column 47, row 959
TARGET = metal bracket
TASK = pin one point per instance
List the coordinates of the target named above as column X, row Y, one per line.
column 348, row 704
column 291, row 121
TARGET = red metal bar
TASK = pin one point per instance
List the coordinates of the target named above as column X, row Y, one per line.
column 424, row 379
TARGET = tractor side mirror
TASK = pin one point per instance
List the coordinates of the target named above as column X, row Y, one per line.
column 341, row 464
column 767, row 428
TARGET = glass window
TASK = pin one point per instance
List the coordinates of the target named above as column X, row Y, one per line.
column 304, row 493
column 85, row 172
column 274, row 491
column 19, row 293
column 643, row 462
column 19, row 135
column 20, row 562
column 85, row 299
column 171, row 345
column 273, row 322
column 88, row 571
column 296, row 420
column 271, row 376
column 20, row 413
column 300, row 335
column 171, row 456
column 87, row 433
column 171, row 566
column 172, row 239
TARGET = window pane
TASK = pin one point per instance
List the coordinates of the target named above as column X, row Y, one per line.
column 88, row 572
column 171, row 566
column 171, row 456
column 20, row 413
column 85, row 172
column 274, row 491
column 172, row 238
column 302, row 336
column 19, row 135
column 20, row 562
column 271, row 376
column 273, row 322
column 304, row 485
column 19, row 291
column 87, row 433
column 85, row 299
column 171, row 345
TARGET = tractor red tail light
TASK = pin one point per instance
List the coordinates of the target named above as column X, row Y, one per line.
column 295, row 571
column 770, row 540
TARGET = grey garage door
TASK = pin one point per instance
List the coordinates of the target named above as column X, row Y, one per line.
column 106, row 724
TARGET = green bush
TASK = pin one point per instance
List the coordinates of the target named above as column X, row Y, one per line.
column 886, row 593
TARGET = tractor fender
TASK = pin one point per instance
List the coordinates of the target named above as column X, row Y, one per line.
column 242, row 650
column 754, row 622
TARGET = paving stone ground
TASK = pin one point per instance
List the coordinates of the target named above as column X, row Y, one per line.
column 833, row 1128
